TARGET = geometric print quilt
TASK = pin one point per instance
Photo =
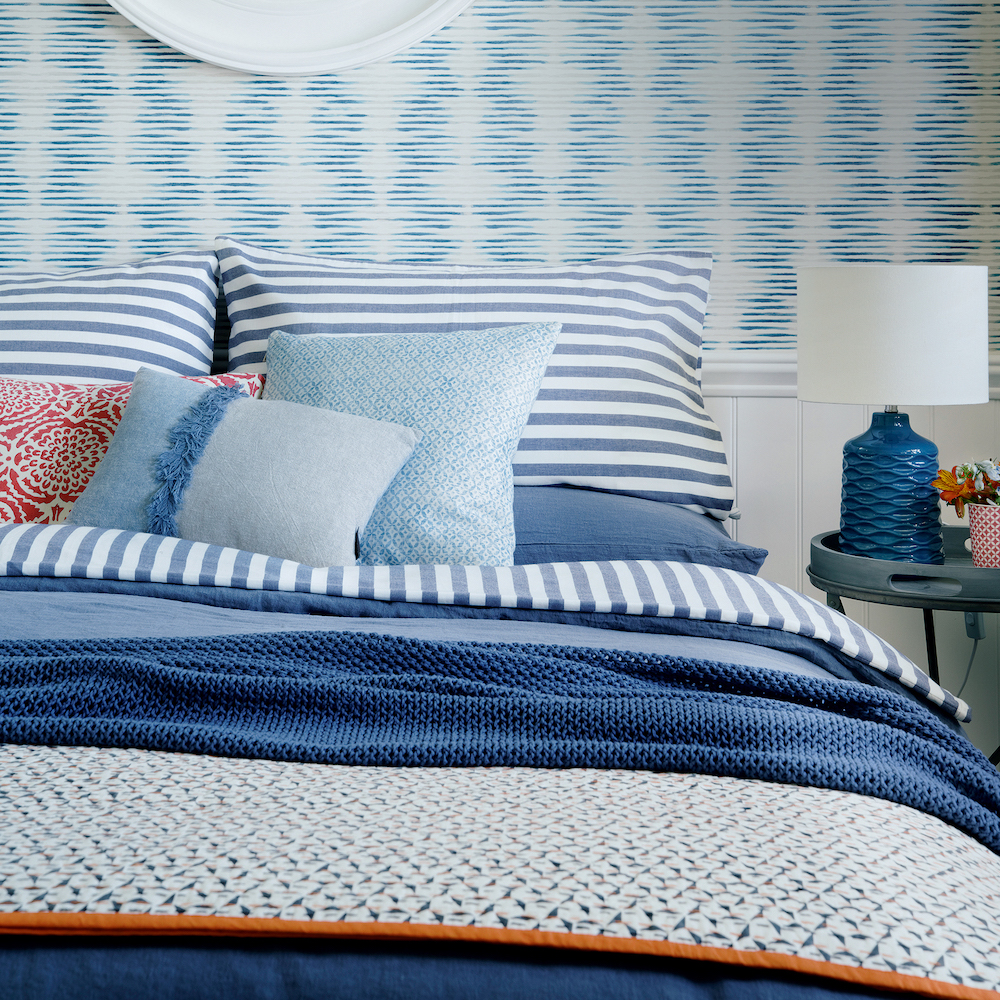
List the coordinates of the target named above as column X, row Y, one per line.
column 734, row 870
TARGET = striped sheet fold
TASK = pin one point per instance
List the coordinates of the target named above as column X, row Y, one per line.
column 634, row 587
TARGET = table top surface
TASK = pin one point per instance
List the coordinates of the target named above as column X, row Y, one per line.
column 956, row 585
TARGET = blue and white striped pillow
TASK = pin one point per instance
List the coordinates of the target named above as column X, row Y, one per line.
column 620, row 406
column 102, row 324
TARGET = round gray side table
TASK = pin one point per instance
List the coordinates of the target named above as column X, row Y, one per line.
column 956, row 585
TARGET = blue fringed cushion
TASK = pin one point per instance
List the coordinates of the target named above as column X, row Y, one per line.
column 102, row 324
column 213, row 465
column 620, row 407
column 468, row 392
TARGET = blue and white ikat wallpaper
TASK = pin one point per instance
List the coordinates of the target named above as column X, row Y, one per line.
column 773, row 133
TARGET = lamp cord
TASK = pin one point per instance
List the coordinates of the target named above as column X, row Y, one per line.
column 968, row 669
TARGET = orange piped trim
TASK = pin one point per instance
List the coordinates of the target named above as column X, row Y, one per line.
column 173, row 925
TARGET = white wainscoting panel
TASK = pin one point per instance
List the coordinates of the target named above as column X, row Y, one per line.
column 767, row 482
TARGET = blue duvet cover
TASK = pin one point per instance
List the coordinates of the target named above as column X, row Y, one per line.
column 504, row 799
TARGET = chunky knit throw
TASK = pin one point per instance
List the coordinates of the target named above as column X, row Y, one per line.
column 368, row 699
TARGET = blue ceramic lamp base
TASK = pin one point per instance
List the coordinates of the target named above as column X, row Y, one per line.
column 888, row 508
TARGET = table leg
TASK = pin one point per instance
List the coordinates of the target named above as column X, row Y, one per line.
column 932, row 660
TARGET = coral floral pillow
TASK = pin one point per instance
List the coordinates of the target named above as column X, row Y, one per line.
column 52, row 436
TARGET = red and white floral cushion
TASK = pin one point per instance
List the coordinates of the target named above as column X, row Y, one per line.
column 52, row 435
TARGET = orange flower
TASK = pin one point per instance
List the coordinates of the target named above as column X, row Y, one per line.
column 971, row 482
column 954, row 491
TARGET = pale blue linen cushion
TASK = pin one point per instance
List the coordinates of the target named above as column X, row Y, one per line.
column 125, row 479
column 289, row 480
column 211, row 465
column 469, row 392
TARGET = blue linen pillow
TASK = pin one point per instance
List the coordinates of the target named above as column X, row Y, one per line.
column 213, row 465
column 620, row 406
column 469, row 393
column 567, row 524
column 105, row 323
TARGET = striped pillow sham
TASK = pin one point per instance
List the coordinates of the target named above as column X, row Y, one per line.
column 101, row 324
column 620, row 406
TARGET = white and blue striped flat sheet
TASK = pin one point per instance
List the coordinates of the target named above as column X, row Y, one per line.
column 639, row 587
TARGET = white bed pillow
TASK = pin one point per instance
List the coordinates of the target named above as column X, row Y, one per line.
column 620, row 406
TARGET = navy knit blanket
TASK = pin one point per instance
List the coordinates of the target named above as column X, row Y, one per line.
column 384, row 700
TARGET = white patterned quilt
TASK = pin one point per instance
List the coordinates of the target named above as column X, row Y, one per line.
column 726, row 869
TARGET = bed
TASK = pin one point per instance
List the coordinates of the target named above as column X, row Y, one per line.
column 389, row 642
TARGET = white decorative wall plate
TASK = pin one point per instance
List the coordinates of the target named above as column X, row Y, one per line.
column 289, row 37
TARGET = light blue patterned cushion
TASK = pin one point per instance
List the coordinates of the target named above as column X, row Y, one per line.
column 620, row 407
column 105, row 323
column 469, row 393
